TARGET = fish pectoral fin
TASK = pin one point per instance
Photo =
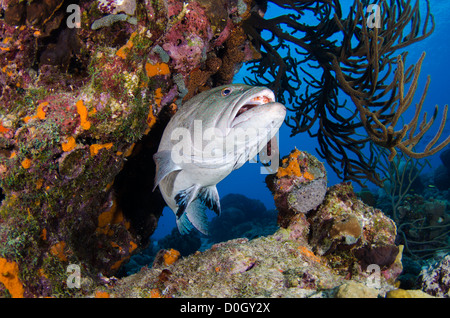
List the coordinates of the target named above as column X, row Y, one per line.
column 196, row 213
column 192, row 203
column 195, row 216
column 164, row 166
column 184, row 225
column 210, row 198
column 185, row 197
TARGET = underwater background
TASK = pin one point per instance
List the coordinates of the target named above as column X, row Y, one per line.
column 249, row 181
column 83, row 107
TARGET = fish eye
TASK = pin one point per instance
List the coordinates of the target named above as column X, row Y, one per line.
column 226, row 91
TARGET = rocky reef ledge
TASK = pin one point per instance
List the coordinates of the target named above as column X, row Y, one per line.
column 342, row 248
column 86, row 90
column 329, row 245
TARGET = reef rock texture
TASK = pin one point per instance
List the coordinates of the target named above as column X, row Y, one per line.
column 85, row 93
column 435, row 280
column 299, row 185
column 344, row 226
column 272, row 266
column 343, row 248
column 334, row 222
column 240, row 217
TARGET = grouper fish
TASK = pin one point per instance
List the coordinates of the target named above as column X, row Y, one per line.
column 212, row 134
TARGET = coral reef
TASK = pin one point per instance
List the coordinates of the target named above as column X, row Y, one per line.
column 411, row 197
column 423, row 224
column 267, row 266
column 292, row 262
column 83, row 106
column 435, row 280
column 240, row 217
column 343, row 225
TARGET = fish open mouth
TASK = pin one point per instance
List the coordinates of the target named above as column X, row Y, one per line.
column 261, row 99
column 252, row 103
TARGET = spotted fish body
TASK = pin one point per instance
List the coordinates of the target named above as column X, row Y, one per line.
column 204, row 141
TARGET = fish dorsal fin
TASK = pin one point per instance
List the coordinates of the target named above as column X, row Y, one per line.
column 164, row 166
column 185, row 197
column 210, row 198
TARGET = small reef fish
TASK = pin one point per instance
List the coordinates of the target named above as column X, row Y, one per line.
column 212, row 134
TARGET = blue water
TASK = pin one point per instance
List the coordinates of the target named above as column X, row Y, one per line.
column 250, row 182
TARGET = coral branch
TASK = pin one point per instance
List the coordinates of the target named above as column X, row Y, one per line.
column 361, row 65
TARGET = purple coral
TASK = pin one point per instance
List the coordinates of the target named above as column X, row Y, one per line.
column 188, row 39
column 186, row 52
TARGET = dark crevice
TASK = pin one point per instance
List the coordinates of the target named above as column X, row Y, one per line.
column 2, row 196
column 134, row 184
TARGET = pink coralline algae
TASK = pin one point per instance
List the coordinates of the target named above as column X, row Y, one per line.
column 187, row 43
column 187, row 52
column 117, row 6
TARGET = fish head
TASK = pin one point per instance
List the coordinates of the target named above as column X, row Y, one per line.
column 243, row 116
column 238, row 106
column 250, row 121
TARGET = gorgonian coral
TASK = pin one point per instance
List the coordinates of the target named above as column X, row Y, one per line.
column 353, row 55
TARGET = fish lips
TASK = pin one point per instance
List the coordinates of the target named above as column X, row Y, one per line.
column 257, row 109
column 260, row 116
column 260, row 121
